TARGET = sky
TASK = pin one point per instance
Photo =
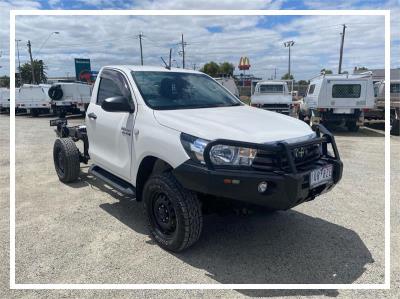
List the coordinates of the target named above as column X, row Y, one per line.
column 108, row 40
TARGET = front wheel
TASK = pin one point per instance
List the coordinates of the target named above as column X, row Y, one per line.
column 174, row 213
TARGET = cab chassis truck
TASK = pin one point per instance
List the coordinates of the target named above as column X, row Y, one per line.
column 178, row 141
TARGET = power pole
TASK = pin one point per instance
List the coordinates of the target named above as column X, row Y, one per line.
column 19, row 63
column 183, row 52
column 170, row 57
column 275, row 74
column 341, row 49
column 141, row 48
column 289, row 44
column 30, row 54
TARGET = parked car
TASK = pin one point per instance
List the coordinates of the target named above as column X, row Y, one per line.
column 70, row 97
column 272, row 95
column 335, row 100
column 178, row 141
column 33, row 98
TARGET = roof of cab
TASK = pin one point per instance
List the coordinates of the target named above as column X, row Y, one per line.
column 145, row 68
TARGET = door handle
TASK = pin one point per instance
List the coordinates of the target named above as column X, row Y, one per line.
column 92, row 115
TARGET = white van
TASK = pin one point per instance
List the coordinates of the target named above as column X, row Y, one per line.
column 33, row 98
column 338, row 100
column 272, row 95
column 70, row 97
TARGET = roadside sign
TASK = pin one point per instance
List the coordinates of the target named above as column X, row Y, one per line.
column 83, row 70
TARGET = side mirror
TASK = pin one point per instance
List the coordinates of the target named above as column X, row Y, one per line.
column 117, row 104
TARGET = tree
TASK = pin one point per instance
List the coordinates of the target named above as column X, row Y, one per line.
column 286, row 77
column 210, row 68
column 40, row 72
column 303, row 82
column 226, row 68
column 362, row 69
column 327, row 72
column 214, row 70
column 5, row 81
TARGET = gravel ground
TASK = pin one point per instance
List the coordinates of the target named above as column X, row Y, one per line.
column 86, row 233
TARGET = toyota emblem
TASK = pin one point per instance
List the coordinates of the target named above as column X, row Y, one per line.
column 299, row 152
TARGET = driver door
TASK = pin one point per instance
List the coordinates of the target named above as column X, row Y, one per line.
column 111, row 133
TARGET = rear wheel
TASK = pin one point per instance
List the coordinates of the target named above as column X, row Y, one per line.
column 66, row 159
column 352, row 126
column 174, row 213
column 394, row 125
column 34, row 112
column 61, row 113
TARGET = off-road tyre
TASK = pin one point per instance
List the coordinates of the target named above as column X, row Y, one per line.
column 185, row 221
column 352, row 126
column 66, row 160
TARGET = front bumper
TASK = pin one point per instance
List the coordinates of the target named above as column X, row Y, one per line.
column 286, row 189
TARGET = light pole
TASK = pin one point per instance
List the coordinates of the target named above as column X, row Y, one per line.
column 19, row 63
column 47, row 39
column 289, row 44
column 43, row 44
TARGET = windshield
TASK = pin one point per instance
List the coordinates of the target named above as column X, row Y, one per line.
column 269, row 88
column 173, row 90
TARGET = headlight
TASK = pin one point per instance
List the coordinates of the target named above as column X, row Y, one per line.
column 219, row 154
column 194, row 147
column 232, row 155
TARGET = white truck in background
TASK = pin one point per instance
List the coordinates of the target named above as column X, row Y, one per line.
column 377, row 115
column 335, row 100
column 70, row 97
column 4, row 100
column 229, row 84
column 272, row 95
column 33, row 98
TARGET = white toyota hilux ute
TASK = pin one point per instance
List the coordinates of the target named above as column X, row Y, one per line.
column 179, row 142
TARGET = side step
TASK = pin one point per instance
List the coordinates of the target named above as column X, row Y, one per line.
column 112, row 180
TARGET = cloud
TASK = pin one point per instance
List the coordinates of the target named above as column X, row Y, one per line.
column 210, row 4
column 113, row 40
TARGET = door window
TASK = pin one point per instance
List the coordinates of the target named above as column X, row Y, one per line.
column 112, row 84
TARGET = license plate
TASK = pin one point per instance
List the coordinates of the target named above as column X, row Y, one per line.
column 321, row 176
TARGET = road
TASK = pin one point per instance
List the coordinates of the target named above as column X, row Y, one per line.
column 86, row 232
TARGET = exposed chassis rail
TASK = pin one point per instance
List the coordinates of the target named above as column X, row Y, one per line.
column 75, row 132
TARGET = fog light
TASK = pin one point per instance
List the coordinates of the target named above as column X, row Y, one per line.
column 262, row 187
